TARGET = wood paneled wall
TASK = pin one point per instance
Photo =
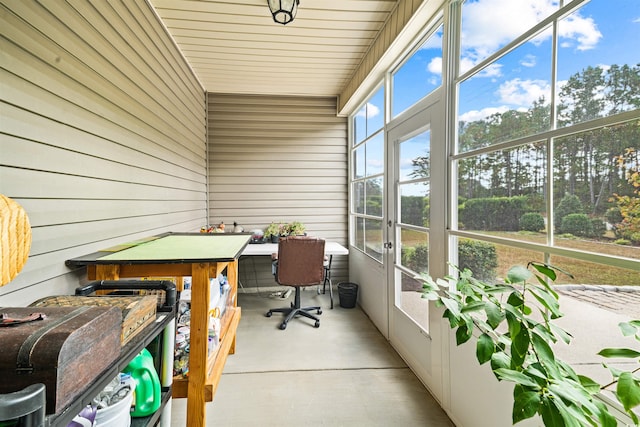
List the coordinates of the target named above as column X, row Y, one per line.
column 103, row 133
column 282, row 159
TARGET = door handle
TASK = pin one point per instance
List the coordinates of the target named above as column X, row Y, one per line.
column 388, row 245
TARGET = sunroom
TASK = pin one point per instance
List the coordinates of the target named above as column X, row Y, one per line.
column 419, row 134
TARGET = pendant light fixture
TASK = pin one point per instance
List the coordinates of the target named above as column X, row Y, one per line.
column 283, row 11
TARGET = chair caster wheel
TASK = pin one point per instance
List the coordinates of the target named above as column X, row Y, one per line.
column 319, row 311
column 268, row 314
column 283, row 326
column 317, row 325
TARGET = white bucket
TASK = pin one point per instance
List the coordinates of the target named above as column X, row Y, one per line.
column 118, row 415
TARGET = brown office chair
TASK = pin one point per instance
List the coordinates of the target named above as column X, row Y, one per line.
column 300, row 262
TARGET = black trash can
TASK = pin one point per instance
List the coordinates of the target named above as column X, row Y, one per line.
column 348, row 294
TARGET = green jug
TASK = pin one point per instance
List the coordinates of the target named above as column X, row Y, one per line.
column 146, row 399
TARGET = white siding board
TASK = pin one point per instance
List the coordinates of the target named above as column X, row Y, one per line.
column 278, row 159
column 43, row 212
column 103, row 137
column 16, row 182
column 92, row 75
column 81, row 108
column 17, row 122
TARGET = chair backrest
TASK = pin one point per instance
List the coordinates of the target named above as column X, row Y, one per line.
column 300, row 261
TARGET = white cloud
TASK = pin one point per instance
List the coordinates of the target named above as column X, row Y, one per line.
column 523, row 93
column 474, row 115
column 528, row 61
column 487, row 25
column 490, row 24
column 435, row 66
column 580, row 32
column 368, row 111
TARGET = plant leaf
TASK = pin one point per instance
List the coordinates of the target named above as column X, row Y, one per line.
column 547, row 301
column 472, row 306
column 463, row 334
column 545, row 355
column 619, row 352
column 544, row 269
column 551, row 414
column 500, row 359
column 452, row 305
column 484, row 348
column 516, row 377
column 525, row 405
column 518, row 274
column 628, row 391
column 495, row 316
column 520, row 346
column 590, row 385
column 629, row 328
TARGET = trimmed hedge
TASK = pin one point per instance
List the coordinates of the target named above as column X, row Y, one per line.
column 479, row 257
column 493, row 213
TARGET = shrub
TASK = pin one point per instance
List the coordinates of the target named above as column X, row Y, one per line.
column 577, row 224
column 622, row 242
column 493, row 213
column 613, row 215
column 531, row 221
column 599, row 227
column 479, row 257
column 570, row 204
column 416, row 258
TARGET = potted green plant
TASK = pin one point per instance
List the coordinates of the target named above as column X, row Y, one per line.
column 296, row 228
column 272, row 232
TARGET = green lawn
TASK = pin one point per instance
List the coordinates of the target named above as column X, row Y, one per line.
column 586, row 273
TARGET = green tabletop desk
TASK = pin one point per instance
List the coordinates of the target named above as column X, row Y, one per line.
column 202, row 256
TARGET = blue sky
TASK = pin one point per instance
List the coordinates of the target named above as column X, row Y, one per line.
column 600, row 33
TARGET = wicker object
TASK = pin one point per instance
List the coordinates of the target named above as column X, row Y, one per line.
column 15, row 239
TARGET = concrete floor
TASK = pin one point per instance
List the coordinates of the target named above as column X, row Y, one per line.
column 342, row 374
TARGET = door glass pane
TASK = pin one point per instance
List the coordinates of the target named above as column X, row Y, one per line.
column 374, row 188
column 358, row 233
column 415, row 155
column 420, row 75
column 409, row 300
column 373, row 238
column 359, row 162
column 375, row 155
column 414, row 204
column 357, row 197
column 414, row 250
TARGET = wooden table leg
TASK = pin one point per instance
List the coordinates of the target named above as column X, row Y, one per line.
column 200, row 294
column 232, row 278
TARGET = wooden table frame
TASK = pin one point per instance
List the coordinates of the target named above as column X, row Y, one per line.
column 204, row 371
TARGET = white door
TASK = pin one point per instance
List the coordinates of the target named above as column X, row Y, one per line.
column 415, row 208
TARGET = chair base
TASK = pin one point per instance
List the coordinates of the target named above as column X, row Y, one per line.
column 296, row 310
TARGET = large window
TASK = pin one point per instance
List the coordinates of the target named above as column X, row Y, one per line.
column 419, row 75
column 548, row 143
column 367, row 175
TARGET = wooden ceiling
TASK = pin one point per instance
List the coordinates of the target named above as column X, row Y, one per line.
column 234, row 46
